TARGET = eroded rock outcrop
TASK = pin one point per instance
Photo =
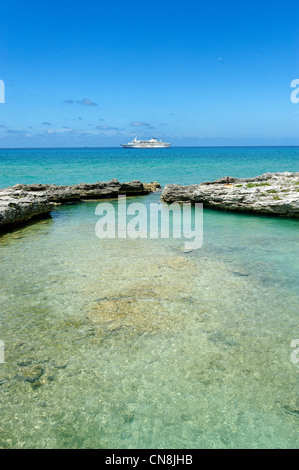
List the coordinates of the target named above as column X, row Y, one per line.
column 83, row 191
column 24, row 202
column 18, row 206
column 270, row 193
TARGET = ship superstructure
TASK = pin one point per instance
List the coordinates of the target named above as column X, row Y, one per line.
column 146, row 144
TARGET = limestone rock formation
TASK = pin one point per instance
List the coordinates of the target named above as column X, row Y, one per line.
column 18, row 206
column 23, row 202
column 83, row 191
column 270, row 193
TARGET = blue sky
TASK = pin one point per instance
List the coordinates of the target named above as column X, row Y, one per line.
column 98, row 73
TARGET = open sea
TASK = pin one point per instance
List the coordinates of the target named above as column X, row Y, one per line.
column 123, row 343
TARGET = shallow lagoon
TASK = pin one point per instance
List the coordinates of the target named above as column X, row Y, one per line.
column 141, row 345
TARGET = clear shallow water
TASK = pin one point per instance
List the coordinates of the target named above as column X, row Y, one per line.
column 139, row 343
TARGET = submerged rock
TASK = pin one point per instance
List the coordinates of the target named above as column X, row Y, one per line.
column 60, row 364
column 291, row 410
column 129, row 418
column 33, row 374
column 24, row 363
column 145, row 308
column 271, row 193
column 238, row 273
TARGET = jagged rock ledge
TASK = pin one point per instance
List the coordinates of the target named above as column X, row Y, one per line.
column 270, row 193
column 23, row 202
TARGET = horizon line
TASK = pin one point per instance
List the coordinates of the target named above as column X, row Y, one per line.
column 168, row 148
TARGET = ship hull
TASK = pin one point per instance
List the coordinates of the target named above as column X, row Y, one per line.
column 137, row 146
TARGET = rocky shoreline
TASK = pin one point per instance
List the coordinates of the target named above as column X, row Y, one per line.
column 22, row 203
column 271, row 193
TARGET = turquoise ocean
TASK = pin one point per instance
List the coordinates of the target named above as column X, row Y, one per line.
column 123, row 343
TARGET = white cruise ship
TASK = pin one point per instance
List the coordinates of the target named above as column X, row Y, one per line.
column 146, row 144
